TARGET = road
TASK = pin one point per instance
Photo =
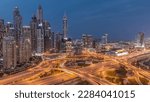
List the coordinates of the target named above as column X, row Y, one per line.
column 72, row 75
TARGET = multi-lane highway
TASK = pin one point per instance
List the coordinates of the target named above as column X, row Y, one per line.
column 64, row 75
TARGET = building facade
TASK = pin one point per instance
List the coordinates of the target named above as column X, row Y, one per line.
column 2, row 31
column 26, row 43
column 87, row 41
column 17, row 18
column 33, row 25
column 40, row 39
column 9, row 52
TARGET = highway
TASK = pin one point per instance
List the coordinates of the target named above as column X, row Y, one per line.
column 73, row 75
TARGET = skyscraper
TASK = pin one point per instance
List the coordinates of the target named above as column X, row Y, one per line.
column 47, row 36
column 44, row 28
column 9, row 52
column 8, row 26
column 53, row 41
column 17, row 24
column 2, row 31
column 65, row 26
column 68, row 46
column 11, row 32
column 40, row 14
column 87, row 40
column 18, row 30
column 33, row 25
column 26, row 43
column 140, row 40
column 40, row 39
column 59, row 42
column 105, row 39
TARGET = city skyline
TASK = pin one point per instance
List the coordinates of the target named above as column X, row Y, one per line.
column 117, row 18
column 36, row 54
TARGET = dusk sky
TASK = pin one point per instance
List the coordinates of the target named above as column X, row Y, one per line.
column 121, row 19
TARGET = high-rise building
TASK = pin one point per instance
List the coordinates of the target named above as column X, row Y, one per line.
column 40, row 14
column 105, row 39
column 34, row 25
column 2, row 31
column 26, row 43
column 40, row 39
column 17, row 24
column 59, row 42
column 140, row 40
column 47, row 36
column 78, row 47
column 20, row 57
column 18, row 31
column 68, row 46
column 40, row 33
column 11, row 32
column 52, row 41
column 65, row 26
column 8, row 26
column 26, row 31
column 87, row 40
column 9, row 52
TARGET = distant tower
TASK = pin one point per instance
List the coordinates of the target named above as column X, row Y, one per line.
column 17, row 19
column 9, row 52
column 40, row 14
column 47, row 36
column 2, row 30
column 40, row 39
column 140, row 41
column 105, row 39
column 17, row 24
column 27, row 43
column 87, row 40
column 34, row 25
column 65, row 26
column 59, row 42
column 8, row 26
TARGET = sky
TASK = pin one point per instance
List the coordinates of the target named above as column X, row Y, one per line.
column 121, row 19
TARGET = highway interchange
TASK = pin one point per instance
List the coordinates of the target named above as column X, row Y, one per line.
column 47, row 73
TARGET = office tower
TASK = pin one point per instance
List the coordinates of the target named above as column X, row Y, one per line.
column 40, row 39
column 87, row 40
column 65, row 26
column 18, row 31
column 59, row 42
column 17, row 24
column 2, row 26
column 47, row 36
column 140, row 40
column 68, row 46
column 40, row 14
column 96, row 43
column 2, row 31
column 34, row 25
column 26, row 43
column 105, row 39
column 10, row 30
column 20, row 57
column 26, row 31
column 8, row 26
column 78, row 46
column 9, row 52
column 53, row 41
